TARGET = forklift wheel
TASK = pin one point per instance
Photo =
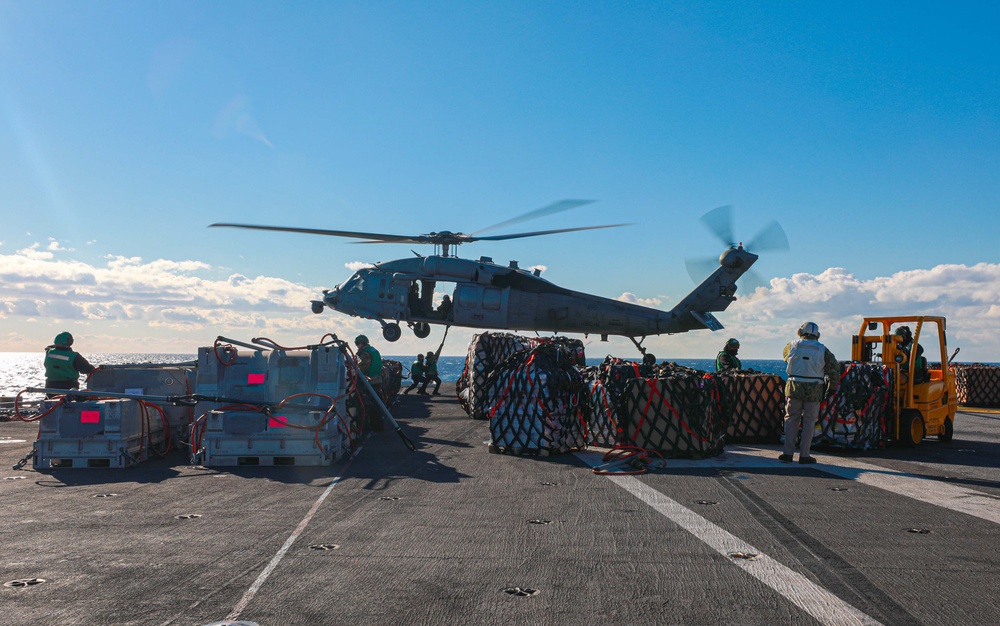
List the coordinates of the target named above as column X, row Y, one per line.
column 949, row 431
column 911, row 429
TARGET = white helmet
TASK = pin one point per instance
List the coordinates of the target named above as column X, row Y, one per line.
column 809, row 328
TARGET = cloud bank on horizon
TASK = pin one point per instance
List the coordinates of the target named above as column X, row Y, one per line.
column 174, row 306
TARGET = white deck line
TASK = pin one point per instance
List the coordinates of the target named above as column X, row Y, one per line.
column 257, row 584
column 938, row 493
column 824, row 606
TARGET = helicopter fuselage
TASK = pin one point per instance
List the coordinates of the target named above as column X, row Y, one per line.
column 492, row 296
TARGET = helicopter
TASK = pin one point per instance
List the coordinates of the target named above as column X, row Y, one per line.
column 507, row 297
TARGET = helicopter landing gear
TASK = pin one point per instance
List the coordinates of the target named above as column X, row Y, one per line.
column 392, row 332
column 421, row 329
column 638, row 344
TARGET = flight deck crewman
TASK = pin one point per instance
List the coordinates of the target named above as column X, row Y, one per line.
column 727, row 359
column 63, row 365
column 811, row 367
column 370, row 364
column 416, row 374
column 431, row 373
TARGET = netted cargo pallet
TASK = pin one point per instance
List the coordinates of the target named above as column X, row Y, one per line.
column 859, row 414
column 977, row 385
column 486, row 352
column 676, row 415
column 391, row 380
column 601, row 416
column 606, row 385
column 752, row 406
column 533, row 401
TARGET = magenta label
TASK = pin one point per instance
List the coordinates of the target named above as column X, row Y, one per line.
column 277, row 421
column 255, row 379
column 90, row 417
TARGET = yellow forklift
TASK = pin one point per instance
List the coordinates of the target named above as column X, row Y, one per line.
column 923, row 400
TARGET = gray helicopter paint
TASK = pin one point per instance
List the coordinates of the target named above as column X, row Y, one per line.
column 489, row 295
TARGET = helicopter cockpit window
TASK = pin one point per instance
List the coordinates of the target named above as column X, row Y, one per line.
column 353, row 285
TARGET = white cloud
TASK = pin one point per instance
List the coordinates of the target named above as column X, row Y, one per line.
column 357, row 265
column 55, row 246
column 838, row 300
column 631, row 298
column 33, row 252
column 144, row 295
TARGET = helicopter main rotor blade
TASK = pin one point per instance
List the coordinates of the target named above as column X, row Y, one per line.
column 376, row 237
column 720, row 222
column 542, row 232
column 771, row 237
column 555, row 207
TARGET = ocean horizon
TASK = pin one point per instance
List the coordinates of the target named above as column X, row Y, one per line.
column 19, row 370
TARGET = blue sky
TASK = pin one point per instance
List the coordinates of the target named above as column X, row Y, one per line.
column 870, row 131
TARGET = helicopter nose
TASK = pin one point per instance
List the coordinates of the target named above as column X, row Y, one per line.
column 330, row 296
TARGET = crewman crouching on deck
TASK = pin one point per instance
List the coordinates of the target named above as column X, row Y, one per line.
column 63, row 365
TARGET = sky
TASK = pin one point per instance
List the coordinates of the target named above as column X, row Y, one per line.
column 869, row 131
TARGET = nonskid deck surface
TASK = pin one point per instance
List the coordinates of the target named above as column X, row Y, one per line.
column 451, row 534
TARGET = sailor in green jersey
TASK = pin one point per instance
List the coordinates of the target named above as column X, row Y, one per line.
column 369, row 359
column 727, row 359
column 431, row 374
column 63, row 365
column 416, row 374
column 370, row 364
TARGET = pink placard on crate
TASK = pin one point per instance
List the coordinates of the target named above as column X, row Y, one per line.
column 277, row 421
column 255, row 379
column 90, row 417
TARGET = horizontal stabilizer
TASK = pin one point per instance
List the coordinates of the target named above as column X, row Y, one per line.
column 707, row 320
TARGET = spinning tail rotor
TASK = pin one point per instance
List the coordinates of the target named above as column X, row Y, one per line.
column 719, row 222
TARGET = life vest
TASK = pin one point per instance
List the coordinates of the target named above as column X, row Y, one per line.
column 375, row 367
column 806, row 361
column 417, row 369
column 736, row 364
column 59, row 365
column 431, row 368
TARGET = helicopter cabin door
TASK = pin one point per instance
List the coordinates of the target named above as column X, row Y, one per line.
column 480, row 305
column 384, row 294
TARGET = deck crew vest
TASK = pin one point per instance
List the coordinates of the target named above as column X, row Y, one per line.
column 375, row 368
column 806, row 360
column 59, row 365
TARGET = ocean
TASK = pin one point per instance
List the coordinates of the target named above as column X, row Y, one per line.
column 19, row 370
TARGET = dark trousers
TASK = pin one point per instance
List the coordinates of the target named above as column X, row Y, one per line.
column 431, row 379
column 416, row 381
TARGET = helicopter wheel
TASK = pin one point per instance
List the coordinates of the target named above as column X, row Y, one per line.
column 421, row 330
column 391, row 332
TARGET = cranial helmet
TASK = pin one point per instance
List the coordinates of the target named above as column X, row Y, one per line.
column 63, row 339
column 732, row 343
column 809, row 328
column 361, row 339
column 905, row 333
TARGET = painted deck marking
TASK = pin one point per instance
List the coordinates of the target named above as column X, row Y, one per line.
column 824, row 606
column 257, row 584
column 928, row 490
